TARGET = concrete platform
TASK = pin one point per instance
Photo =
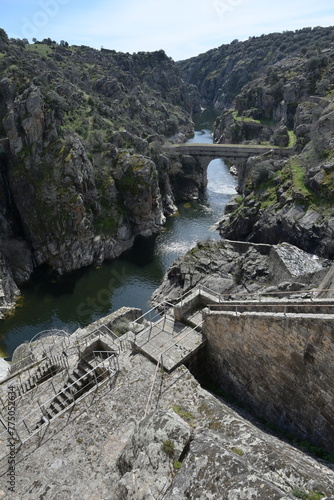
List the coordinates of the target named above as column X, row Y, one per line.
column 174, row 341
column 194, row 318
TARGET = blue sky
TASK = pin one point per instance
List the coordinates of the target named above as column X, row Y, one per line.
column 183, row 28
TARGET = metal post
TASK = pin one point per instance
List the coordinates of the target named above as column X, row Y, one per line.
column 26, row 426
column 18, row 435
column 53, row 387
column 72, row 395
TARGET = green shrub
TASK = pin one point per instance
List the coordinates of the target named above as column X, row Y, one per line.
column 168, row 447
column 177, row 465
column 263, row 172
column 237, row 451
column 183, row 414
column 312, row 495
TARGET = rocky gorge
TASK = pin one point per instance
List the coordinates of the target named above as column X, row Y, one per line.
column 276, row 89
column 84, row 167
column 84, row 172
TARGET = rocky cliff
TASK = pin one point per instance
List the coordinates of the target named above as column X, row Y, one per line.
column 82, row 171
column 238, row 270
column 276, row 89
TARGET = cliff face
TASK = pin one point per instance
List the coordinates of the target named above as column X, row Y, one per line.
column 276, row 88
column 82, row 171
column 8, row 288
column 290, row 200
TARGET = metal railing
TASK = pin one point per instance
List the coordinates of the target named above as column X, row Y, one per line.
column 222, row 297
column 305, row 308
column 154, row 313
column 40, row 375
column 152, row 385
column 27, row 426
column 160, row 364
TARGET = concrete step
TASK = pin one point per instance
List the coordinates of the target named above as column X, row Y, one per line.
column 56, row 407
column 85, row 365
column 65, row 397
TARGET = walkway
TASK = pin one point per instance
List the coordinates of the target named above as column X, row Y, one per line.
column 169, row 342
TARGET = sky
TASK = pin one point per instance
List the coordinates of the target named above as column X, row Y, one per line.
column 182, row 28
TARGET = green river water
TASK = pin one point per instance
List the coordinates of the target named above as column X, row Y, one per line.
column 86, row 295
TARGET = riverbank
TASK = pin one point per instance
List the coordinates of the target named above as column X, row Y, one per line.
column 88, row 294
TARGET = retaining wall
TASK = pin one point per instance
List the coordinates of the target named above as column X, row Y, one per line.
column 281, row 366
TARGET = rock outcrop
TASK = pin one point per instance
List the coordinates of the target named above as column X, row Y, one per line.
column 233, row 268
column 82, row 168
column 185, row 444
column 8, row 288
column 4, row 369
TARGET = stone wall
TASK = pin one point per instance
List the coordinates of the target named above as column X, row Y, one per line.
column 281, row 366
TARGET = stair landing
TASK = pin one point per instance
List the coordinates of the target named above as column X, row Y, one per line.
column 171, row 339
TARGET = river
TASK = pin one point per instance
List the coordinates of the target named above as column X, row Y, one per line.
column 86, row 295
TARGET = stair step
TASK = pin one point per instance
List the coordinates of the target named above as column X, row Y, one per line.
column 69, row 394
column 104, row 329
column 65, row 397
column 57, row 406
column 85, row 365
column 79, row 374
column 80, row 370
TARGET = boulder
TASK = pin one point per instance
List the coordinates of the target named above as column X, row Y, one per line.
column 146, row 462
column 281, row 136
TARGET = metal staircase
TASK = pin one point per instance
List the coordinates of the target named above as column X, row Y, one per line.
column 82, row 379
column 51, row 367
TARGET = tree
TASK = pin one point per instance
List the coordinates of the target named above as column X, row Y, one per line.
column 3, row 36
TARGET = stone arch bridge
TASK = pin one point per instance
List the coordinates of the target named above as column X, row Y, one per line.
column 236, row 153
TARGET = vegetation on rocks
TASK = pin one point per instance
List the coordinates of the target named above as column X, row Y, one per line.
column 83, row 173
column 276, row 89
column 85, row 129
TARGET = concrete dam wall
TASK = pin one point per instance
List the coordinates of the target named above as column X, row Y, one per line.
column 280, row 365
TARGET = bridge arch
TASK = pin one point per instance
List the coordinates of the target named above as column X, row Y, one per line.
column 237, row 153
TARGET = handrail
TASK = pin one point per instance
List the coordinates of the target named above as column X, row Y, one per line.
column 263, row 293
column 53, row 332
column 263, row 304
column 48, row 402
column 230, row 307
column 143, row 316
column 151, row 390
